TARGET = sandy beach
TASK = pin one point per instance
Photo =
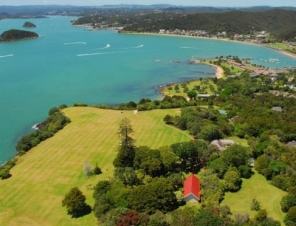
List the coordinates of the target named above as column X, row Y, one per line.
column 219, row 72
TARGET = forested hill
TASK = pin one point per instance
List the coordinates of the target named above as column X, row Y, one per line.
column 14, row 35
column 280, row 23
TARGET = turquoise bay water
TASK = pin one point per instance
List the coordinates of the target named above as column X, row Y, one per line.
column 69, row 64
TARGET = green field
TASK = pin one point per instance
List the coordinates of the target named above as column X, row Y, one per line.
column 41, row 178
column 204, row 84
column 282, row 46
column 258, row 188
column 233, row 70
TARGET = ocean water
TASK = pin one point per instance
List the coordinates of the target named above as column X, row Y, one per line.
column 70, row 64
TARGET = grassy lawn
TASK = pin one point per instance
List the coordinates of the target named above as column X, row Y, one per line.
column 234, row 70
column 282, row 46
column 204, row 85
column 41, row 178
column 278, row 45
column 256, row 187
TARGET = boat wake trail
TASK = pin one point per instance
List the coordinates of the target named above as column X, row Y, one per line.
column 90, row 54
column 93, row 54
column 75, row 43
column 140, row 46
column 10, row 55
column 106, row 47
column 136, row 47
column 184, row 47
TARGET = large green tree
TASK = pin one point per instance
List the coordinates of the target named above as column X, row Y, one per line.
column 127, row 175
column 207, row 217
column 126, row 152
column 74, row 201
column 157, row 195
column 232, row 180
column 236, row 155
column 289, row 200
column 211, row 192
column 188, row 154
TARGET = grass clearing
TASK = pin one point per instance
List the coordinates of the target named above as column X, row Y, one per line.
column 205, row 85
column 239, row 141
column 41, row 178
column 259, row 188
column 233, row 70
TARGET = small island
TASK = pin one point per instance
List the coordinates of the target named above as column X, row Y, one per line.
column 29, row 25
column 14, row 35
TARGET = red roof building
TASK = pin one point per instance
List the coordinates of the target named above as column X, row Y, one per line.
column 191, row 189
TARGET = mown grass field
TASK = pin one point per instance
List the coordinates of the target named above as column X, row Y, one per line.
column 258, row 188
column 41, row 178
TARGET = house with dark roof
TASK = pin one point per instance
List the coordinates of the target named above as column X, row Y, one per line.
column 191, row 189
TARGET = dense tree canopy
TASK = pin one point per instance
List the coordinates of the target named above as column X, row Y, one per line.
column 157, row 195
column 234, row 22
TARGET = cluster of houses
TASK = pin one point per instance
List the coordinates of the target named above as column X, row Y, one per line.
column 198, row 33
column 257, row 37
column 256, row 71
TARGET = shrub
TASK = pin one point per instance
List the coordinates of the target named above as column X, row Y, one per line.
column 97, row 170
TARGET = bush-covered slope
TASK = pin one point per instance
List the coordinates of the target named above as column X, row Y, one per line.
column 280, row 23
column 14, row 35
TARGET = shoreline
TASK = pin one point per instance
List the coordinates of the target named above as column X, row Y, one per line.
column 219, row 70
column 219, row 74
column 216, row 39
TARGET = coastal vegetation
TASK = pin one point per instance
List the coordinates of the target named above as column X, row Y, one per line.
column 15, row 35
column 55, row 121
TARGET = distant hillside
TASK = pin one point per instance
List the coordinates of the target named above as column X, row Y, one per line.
column 14, row 35
column 280, row 23
column 136, row 6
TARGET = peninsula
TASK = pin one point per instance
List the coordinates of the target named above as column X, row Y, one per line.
column 15, row 35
